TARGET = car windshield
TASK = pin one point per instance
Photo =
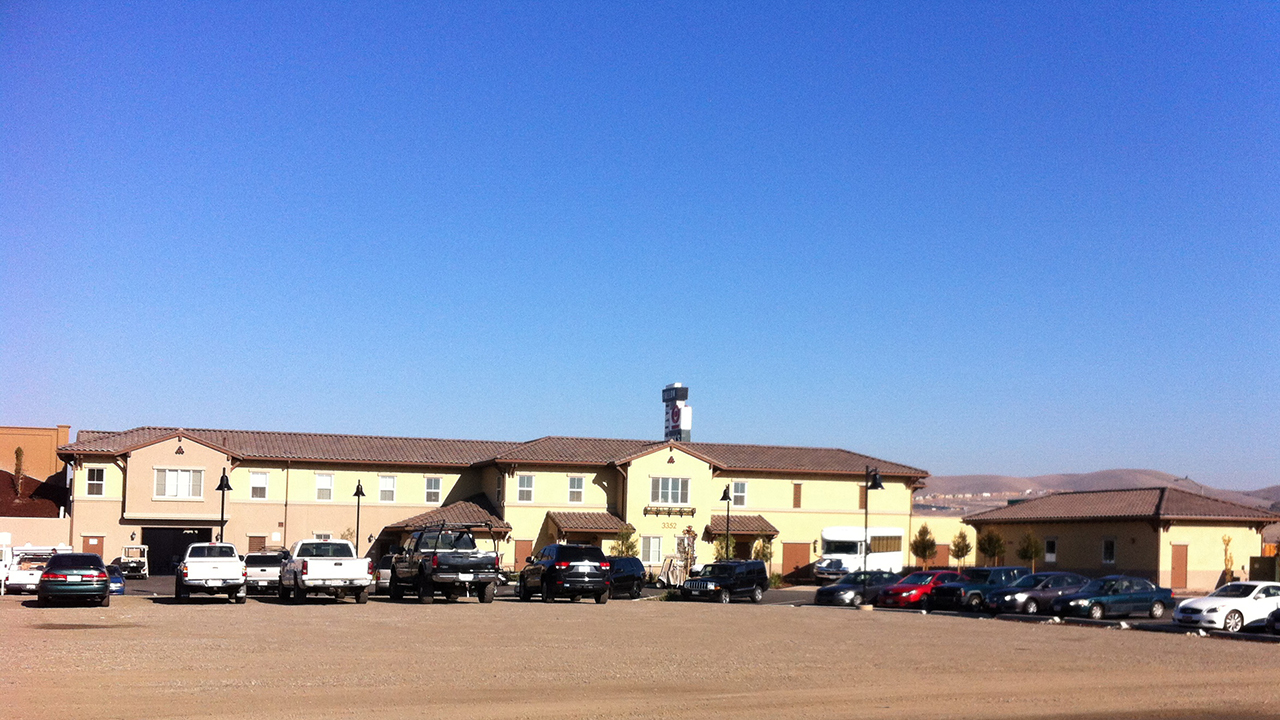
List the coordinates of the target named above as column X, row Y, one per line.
column 1029, row 581
column 1098, row 587
column 325, row 549
column 212, row 551
column 919, row 578
column 1235, row 590
column 978, row 576
column 718, row 571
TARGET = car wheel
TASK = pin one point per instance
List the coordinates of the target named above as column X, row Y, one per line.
column 1233, row 622
column 856, row 599
column 242, row 597
column 487, row 592
column 686, row 595
column 926, row 603
column 756, row 594
column 1096, row 611
column 362, row 596
column 395, row 589
column 548, row 595
column 1031, row 608
column 973, row 603
column 635, row 591
column 723, row 596
column 41, row 600
column 282, row 591
column 661, row 584
column 575, row 598
column 298, row 595
column 426, row 592
column 1270, row 625
column 602, row 598
column 179, row 592
column 1157, row 609
column 526, row 594
column 106, row 600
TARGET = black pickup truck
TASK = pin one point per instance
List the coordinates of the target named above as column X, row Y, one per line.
column 444, row 559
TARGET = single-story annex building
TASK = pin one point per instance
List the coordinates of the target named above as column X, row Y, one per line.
column 1169, row 536
column 157, row 486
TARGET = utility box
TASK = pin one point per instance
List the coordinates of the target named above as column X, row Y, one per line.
column 1264, row 568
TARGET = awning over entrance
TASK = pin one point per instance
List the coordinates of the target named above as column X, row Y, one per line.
column 741, row 526
column 601, row 523
column 475, row 509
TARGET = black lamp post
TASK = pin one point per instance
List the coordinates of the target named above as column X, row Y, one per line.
column 727, row 499
column 873, row 483
column 358, row 494
column 223, row 486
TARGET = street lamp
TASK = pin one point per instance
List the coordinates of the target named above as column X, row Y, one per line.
column 223, row 486
column 358, row 494
column 727, row 499
column 873, row 483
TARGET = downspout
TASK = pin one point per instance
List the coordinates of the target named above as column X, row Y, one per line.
column 284, row 535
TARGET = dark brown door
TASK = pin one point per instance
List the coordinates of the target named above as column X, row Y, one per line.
column 1179, row 579
column 93, row 544
column 257, row 542
column 742, row 548
column 795, row 560
column 524, row 548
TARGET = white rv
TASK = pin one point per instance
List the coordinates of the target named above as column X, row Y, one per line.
column 842, row 551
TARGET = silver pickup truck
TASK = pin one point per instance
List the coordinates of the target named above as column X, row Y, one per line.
column 326, row 567
column 212, row 569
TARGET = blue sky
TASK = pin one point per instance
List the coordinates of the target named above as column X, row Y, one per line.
column 969, row 237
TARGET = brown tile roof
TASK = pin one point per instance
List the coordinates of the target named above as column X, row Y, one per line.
column 600, row 522
column 1159, row 503
column 741, row 525
column 263, row 445
column 316, row 447
column 475, row 509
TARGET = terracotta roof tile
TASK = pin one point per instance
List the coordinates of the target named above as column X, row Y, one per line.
column 797, row 459
column 601, row 522
column 741, row 525
column 1153, row 503
column 586, row 451
column 475, row 509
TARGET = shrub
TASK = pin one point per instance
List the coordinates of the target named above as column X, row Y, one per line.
column 776, row 581
column 923, row 545
column 960, row 547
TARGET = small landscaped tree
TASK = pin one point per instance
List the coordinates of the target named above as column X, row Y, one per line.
column 625, row 544
column 990, row 545
column 924, row 546
column 960, row 547
column 763, row 551
column 1030, row 549
column 18, row 472
column 724, row 547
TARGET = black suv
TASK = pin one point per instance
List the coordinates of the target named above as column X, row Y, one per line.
column 722, row 580
column 626, row 574
column 565, row 571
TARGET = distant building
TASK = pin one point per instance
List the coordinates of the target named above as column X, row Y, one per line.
column 1169, row 536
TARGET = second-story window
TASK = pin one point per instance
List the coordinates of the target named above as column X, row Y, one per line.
column 739, row 494
column 387, row 488
column 96, row 485
column 179, row 484
column 433, row 490
column 575, row 489
column 324, row 486
column 258, row 485
column 524, row 488
column 669, row 491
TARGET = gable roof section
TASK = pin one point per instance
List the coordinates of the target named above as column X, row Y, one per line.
column 262, row 445
column 550, row 450
column 599, row 522
column 475, row 509
column 741, row 525
column 1160, row 503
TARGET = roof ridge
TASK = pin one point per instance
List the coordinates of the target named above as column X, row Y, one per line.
column 350, row 435
column 1215, row 499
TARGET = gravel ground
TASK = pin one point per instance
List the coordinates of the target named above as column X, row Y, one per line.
column 146, row 657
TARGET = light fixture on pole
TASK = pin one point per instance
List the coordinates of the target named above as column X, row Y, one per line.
column 727, row 499
column 359, row 493
column 223, row 486
column 873, row 483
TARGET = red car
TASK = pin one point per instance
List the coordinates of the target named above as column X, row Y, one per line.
column 914, row 589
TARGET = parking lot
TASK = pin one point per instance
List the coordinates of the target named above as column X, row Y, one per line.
column 147, row 657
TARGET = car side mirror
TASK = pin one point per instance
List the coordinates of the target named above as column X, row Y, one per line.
column 529, row 560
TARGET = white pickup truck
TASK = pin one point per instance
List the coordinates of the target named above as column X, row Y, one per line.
column 328, row 567
column 27, row 565
column 211, row 568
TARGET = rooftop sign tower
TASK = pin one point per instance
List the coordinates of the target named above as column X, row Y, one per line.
column 678, row 421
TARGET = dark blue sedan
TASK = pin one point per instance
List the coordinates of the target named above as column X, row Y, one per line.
column 1115, row 595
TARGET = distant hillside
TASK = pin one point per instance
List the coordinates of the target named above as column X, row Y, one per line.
column 963, row 494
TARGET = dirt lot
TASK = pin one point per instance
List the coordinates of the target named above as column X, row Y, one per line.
column 147, row 658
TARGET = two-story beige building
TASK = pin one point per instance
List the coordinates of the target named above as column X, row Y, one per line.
column 157, row 486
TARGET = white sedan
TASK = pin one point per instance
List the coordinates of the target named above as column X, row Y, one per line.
column 1230, row 607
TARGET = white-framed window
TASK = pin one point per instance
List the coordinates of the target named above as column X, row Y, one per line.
column 669, row 491
column 258, row 485
column 1051, row 549
column 433, row 491
column 179, row 484
column 324, row 486
column 576, row 485
column 386, row 488
column 739, row 493
column 322, row 536
column 651, row 549
column 1109, row 551
column 524, row 488
column 97, row 484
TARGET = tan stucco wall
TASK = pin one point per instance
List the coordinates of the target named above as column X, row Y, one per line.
column 39, row 449
column 551, row 494
column 1080, row 546
column 944, row 531
column 37, row 531
column 1204, row 552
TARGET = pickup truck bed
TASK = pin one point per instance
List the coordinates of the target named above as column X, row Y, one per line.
column 327, row 567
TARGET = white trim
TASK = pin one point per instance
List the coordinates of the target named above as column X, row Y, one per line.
column 382, row 489
column 439, row 491
column 582, row 491
column 682, row 492
column 532, row 484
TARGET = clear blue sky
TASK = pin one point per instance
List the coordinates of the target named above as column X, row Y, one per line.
column 1005, row 238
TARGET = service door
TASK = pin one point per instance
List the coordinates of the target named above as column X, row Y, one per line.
column 795, row 560
column 1179, row 579
column 257, row 542
column 93, row 544
column 524, row 548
